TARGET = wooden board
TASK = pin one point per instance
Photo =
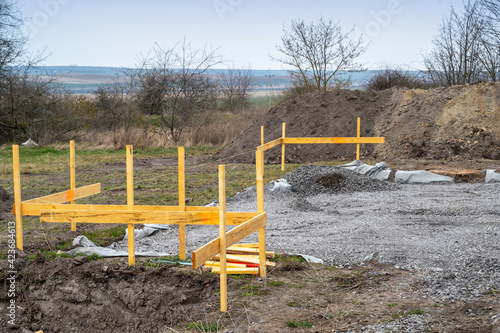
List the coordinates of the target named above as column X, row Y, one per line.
column 138, row 216
column 67, row 196
column 34, row 209
column 269, row 145
column 211, row 249
column 213, row 263
column 233, row 270
column 253, row 260
column 333, row 140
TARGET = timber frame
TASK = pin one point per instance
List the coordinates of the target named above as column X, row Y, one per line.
column 60, row 207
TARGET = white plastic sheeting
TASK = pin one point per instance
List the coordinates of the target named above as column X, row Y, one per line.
column 492, row 176
column 378, row 171
column 421, row 177
column 280, row 185
column 30, row 143
column 147, row 230
column 87, row 248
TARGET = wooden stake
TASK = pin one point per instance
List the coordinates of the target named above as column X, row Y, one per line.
column 283, row 149
column 17, row 197
column 130, row 204
column 358, row 135
column 261, row 135
column 222, row 237
column 262, row 251
column 72, row 174
column 259, row 158
column 182, row 202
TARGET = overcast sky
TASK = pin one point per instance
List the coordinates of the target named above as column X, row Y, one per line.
column 114, row 32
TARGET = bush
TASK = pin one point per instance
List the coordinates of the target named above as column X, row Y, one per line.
column 396, row 77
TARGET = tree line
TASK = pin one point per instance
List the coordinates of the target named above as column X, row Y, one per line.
column 172, row 85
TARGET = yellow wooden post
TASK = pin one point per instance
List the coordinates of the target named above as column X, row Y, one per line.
column 358, row 135
column 259, row 166
column 72, row 174
column 130, row 204
column 17, row 197
column 261, row 135
column 222, row 237
column 283, row 149
column 182, row 202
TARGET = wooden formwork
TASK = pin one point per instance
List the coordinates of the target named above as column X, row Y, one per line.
column 61, row 207
column 259, row 152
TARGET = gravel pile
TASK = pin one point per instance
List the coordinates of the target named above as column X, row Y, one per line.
column 309, row 180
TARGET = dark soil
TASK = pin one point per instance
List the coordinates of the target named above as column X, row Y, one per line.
column 6, row 202
column 333, row 181
column 78, row 295
column 458, row 123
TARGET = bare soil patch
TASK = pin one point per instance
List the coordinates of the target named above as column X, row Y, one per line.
column 457, row 123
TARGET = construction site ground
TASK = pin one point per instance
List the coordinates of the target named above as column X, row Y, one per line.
column 435, row 270
column 397, row 258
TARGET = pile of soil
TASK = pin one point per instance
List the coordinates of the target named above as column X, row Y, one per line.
column 460, row 122
column 78, row 295
column 6, row 202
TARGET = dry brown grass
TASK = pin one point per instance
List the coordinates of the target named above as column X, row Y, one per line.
column 209, row 129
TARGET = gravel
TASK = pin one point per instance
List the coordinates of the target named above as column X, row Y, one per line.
column 448, row 235
column 309, row 180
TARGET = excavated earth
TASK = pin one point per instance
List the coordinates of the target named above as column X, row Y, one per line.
column 456, row 123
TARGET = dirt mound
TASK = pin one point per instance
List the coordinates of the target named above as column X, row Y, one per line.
column 6, row 202
column 78, row 295
column 461, row 122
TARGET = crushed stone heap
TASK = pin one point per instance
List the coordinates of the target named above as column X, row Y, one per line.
column 311, row 179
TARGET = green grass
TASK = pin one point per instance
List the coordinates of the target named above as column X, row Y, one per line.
column 418, row 312
column 298, row 324
column 206, row 327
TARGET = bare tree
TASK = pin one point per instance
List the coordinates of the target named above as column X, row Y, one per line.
column 490, row 40
column 456, row 56
column 175, row 84
column 234, row 86
column 321, row 55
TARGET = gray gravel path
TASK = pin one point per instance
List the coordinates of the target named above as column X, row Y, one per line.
column 448, row 234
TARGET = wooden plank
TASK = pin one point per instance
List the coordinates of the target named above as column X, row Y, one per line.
column 211, row 249
column 72, row 181
column 334, row 140
column 17, row 197
column 232, row 270
column 262, row 251
column 358, row 135
column 136, row 216
column 233, row 257
column 222, row 238
column 247, row 245
column 259, row 168
column 66, row 196
column 130, row 204
column 182, row 201
column 33, row 209
column 213, row 263
column 269, row 145
column 243, row 250
column 283, row 147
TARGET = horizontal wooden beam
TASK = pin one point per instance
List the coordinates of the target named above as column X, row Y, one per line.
column 211, row 249
column 67, row 196
column 34, row 209
column 333, row 140
column 269, row 145
column 141, row 217
column 236, row 270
